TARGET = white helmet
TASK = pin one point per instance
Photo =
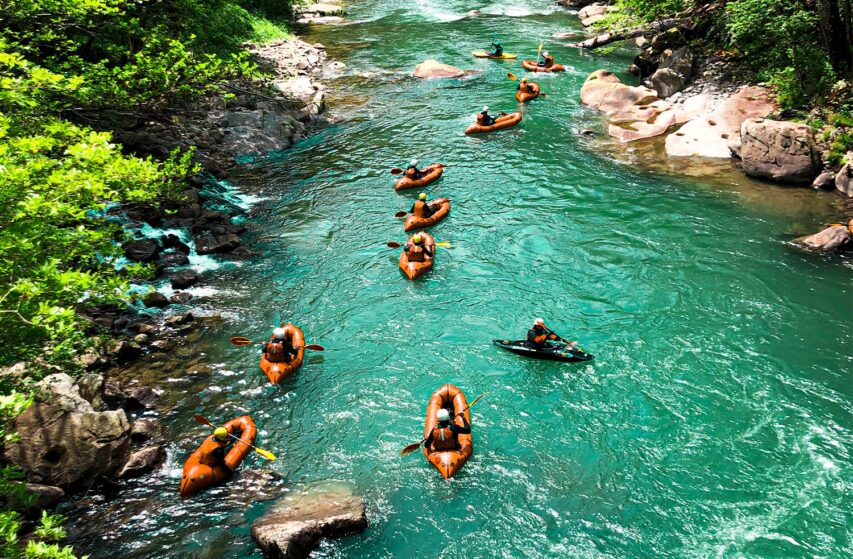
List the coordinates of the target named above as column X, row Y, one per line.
column 443, row 415
column 539, row 321
column 278, row 333
column 545, row 53
column 413, row 162
column 486, row 108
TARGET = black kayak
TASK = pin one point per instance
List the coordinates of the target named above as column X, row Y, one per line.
column 551, row 352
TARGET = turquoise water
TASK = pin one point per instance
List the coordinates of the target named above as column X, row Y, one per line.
column 715, row 422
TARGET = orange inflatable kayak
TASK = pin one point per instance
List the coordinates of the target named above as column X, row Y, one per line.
column 414, row 270
column 277, row 370
column 202, row 469
column 506, row 121
column 440, row 207
column 524, row 96
column 429, row 174
column 531, row 66
column 448, row 462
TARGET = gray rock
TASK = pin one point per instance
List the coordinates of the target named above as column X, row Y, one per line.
column 300, row 89
column 91, row 388
column 123, row 351
column 142, row 462
column 298, row 521
column 180, row 298
column 45, row 497
column 179, row 319
column 68, row 449
column 60, row 391
column 825, row 180
column 142, row 397
column 681, row 62
column 143, row 250
column 170, row 259
column 779, row 150
column 184, row 278
column 844, row 178
column 156, row 299
column 173, row 241
column 830, row 239
column 667, row 82
column 144, row 430
column 207, row 243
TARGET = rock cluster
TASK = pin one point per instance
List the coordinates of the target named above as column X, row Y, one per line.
column 297, row 522
column 831, row 239
column 324, row 12
column 594, row 12
column 429, row 69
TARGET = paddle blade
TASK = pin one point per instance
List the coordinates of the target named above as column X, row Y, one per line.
column 240, row 341
column 203, row 420
column 511, row 76
column 444, row 244
column 315, row 347
column 392, row 244
column 396, row 171
column 265, row 453
column 410, row 449
column 400, row 214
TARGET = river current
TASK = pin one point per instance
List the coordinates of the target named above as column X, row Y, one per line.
column 715, row 421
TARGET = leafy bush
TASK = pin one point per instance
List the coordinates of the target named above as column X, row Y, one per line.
column 648, row 10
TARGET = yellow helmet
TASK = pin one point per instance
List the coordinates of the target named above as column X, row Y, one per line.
column 417, row 239
column 422, row 196
column 220, row 434
column 523, row 80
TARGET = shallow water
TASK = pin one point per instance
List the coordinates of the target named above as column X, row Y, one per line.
column 715, row 422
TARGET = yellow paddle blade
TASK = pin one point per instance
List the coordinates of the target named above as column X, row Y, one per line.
column 511, row 76
column 265, row 453
column 445, row 244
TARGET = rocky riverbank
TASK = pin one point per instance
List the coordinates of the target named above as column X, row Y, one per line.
column 93, row 432
column 702, row 105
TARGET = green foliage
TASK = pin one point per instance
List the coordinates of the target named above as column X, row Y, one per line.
column 265, row 30
column 648, row 10
column 838, row 148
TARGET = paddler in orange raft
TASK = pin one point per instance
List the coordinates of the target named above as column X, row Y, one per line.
column 213, row 461
column 283, row 354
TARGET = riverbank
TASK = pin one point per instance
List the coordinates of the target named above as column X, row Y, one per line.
column 702, row 104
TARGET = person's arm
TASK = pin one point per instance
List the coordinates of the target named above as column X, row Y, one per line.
column 413, row 208
column 463, row 429
column 428, row 441
column 406, row 247
column 427, row 251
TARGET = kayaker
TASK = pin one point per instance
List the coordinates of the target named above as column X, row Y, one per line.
column 280, row 347
column 497, row 49
column 484, row 119
column 539, row 335
column 216, row 449
column 525, row 86
column 443, row 435
column 412, row 170
column 420, row 208
column 547, row 60
column 415, row 249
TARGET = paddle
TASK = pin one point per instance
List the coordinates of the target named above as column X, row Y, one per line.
column 241, row 341
column 539, row 53
column 414, row 446
column 444, row 244
column 398, row 171
column 401, row 213
column 265, row 453
column 565, row 341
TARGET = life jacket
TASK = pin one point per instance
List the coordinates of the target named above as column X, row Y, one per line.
column 416, row 253
column 481, row 119
column 549, row 61
column 275, row 352
column 443, row 438
column 412, row 172
column 212, row 452
column 419, row 209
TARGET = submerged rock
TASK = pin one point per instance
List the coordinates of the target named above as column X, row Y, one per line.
column 184, row 278
column 142, row 462
column 434, row 69
column 778, row 150
column 297, row 522
column 825, row 180
column 831, row 239
column 142, row 250
column 68, row 449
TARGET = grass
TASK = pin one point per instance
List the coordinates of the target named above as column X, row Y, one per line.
column 266, row 30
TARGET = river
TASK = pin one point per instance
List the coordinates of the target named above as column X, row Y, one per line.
column 715, row 421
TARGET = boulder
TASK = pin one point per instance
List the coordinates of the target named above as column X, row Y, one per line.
column 210, row 244
column 844, row 179
column 141, row 397
column 429, row 69
column 144, row 430
column 91, row 389
column 593, row 13
column 123, row 351
column 680, row 62
column 142, row 250
column 300, row 89
column 45, row 497
column 667, row 82
column 180, row 298
column 156, row 299
column 142, row 462
column 60, row 391
column 184, row 278
column 829, row 240
column 641, row 121
column 779, row 150
column 604, row 91
column 825, row 180
column 323, row 9
column 709, row 135
column 297, row 522
column 170, row 259
column 68, row 449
